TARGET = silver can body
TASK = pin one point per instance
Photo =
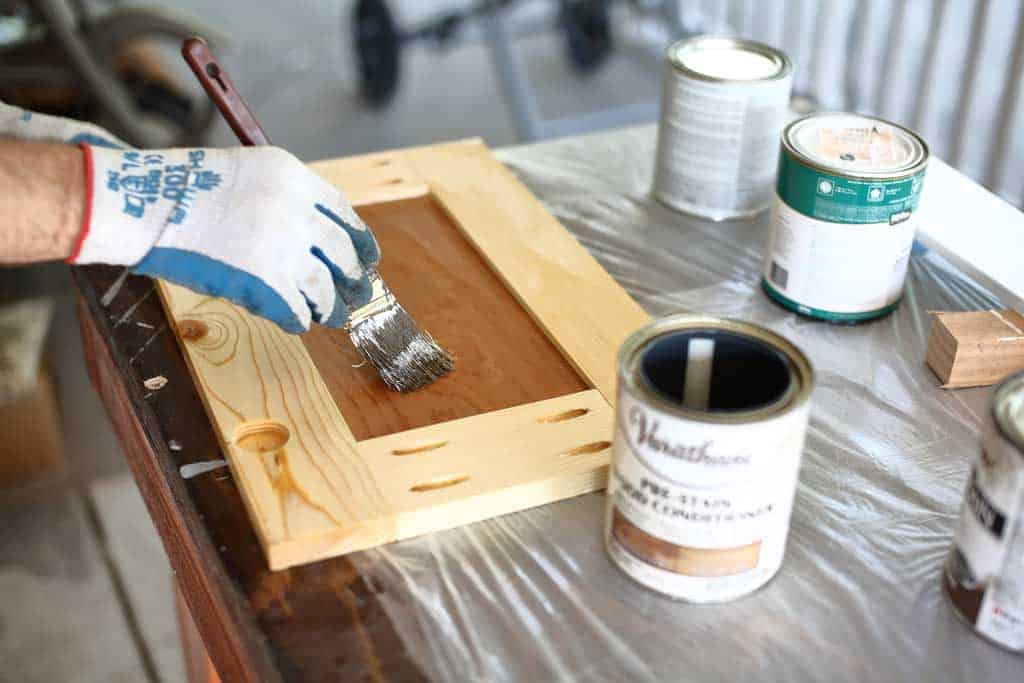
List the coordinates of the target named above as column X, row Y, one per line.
column 984, row 575
column 710, row 425
column 724, row 103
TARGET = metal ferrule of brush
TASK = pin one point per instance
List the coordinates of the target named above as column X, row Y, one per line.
column 380, row 299
column 405, row 356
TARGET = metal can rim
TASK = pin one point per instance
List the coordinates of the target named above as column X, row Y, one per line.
column 1013, row 433
column 802, row 373
column 778, row 57
column 917, row 163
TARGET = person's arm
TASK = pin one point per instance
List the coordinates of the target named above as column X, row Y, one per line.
column 42, row 193
column 252, row 225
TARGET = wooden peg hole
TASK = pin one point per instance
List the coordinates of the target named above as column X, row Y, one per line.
column 261, row 437
column 567, row 415
column 192, row 330
column 440, row 483
column 420, row 449
column 587, row 449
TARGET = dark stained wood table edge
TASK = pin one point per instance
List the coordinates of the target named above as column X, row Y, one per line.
column 231, row 637
column 247, row 615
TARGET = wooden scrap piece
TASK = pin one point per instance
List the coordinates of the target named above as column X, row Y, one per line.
column 975, row 348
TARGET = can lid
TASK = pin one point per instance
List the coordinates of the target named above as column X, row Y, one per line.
column 855, row 145
column 1008, row 409
column 723, row 59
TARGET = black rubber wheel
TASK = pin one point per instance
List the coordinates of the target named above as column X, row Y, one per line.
column 588, row 33
column 160, row 100
column 378, row 46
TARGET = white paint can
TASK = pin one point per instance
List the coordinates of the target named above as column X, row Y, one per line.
column 842, row 226
column 984, row 575
column 709, row 433
column 724, row 103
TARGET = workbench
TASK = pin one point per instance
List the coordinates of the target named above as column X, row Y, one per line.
column 531, row 595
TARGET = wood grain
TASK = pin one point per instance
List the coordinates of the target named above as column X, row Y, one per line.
column 503, row 358
column 198, row 667
column 303, row 438
column 584, row 312
column 112, row 354
column 291, row 452
column 467, row 470
column 320, row 622
column 373, row 178
column 577, row 304
column 975, row 348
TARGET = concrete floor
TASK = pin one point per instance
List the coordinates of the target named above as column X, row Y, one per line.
column 85, row 586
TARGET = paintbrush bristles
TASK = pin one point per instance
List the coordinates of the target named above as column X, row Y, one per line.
column 405, row 356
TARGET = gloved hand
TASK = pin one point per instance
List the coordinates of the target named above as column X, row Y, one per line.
column 250, row 224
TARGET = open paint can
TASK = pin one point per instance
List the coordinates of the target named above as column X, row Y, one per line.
column 841, row 226
column 724, row 103
column 709, row 432
column 984, row 576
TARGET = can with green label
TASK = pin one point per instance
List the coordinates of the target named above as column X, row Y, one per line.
column 842, row 224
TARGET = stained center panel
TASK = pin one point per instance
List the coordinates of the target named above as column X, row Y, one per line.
column 503, row 358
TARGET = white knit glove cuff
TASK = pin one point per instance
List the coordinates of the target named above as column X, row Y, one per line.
column 133, row 196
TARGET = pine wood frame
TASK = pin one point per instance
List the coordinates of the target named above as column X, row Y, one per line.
column 332, row 495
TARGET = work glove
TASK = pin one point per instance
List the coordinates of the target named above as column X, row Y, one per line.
column 252, row 225
column 28, row 125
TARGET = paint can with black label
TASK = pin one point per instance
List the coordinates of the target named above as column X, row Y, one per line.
column 724, row 103
column 709, row 432
column 842, row 225
column 984, row 575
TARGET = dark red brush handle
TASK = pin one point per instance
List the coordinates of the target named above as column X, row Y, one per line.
column 223, row 93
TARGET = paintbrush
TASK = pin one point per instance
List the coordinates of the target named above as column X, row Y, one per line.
column 405, row 356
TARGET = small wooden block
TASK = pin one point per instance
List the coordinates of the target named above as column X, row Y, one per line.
column 975, row 348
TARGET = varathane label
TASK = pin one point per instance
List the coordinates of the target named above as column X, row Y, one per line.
column 839, row 247
column 700, row 511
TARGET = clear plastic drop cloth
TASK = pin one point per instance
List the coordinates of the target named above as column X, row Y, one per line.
column 532, row 596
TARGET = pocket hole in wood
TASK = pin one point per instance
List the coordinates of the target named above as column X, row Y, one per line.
column 261, row 437
column 440, row 483
column 587, row 449
column 420, row 449
column 383, row 162
column 191, row 330
column 394, row 181
column 567, row 415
